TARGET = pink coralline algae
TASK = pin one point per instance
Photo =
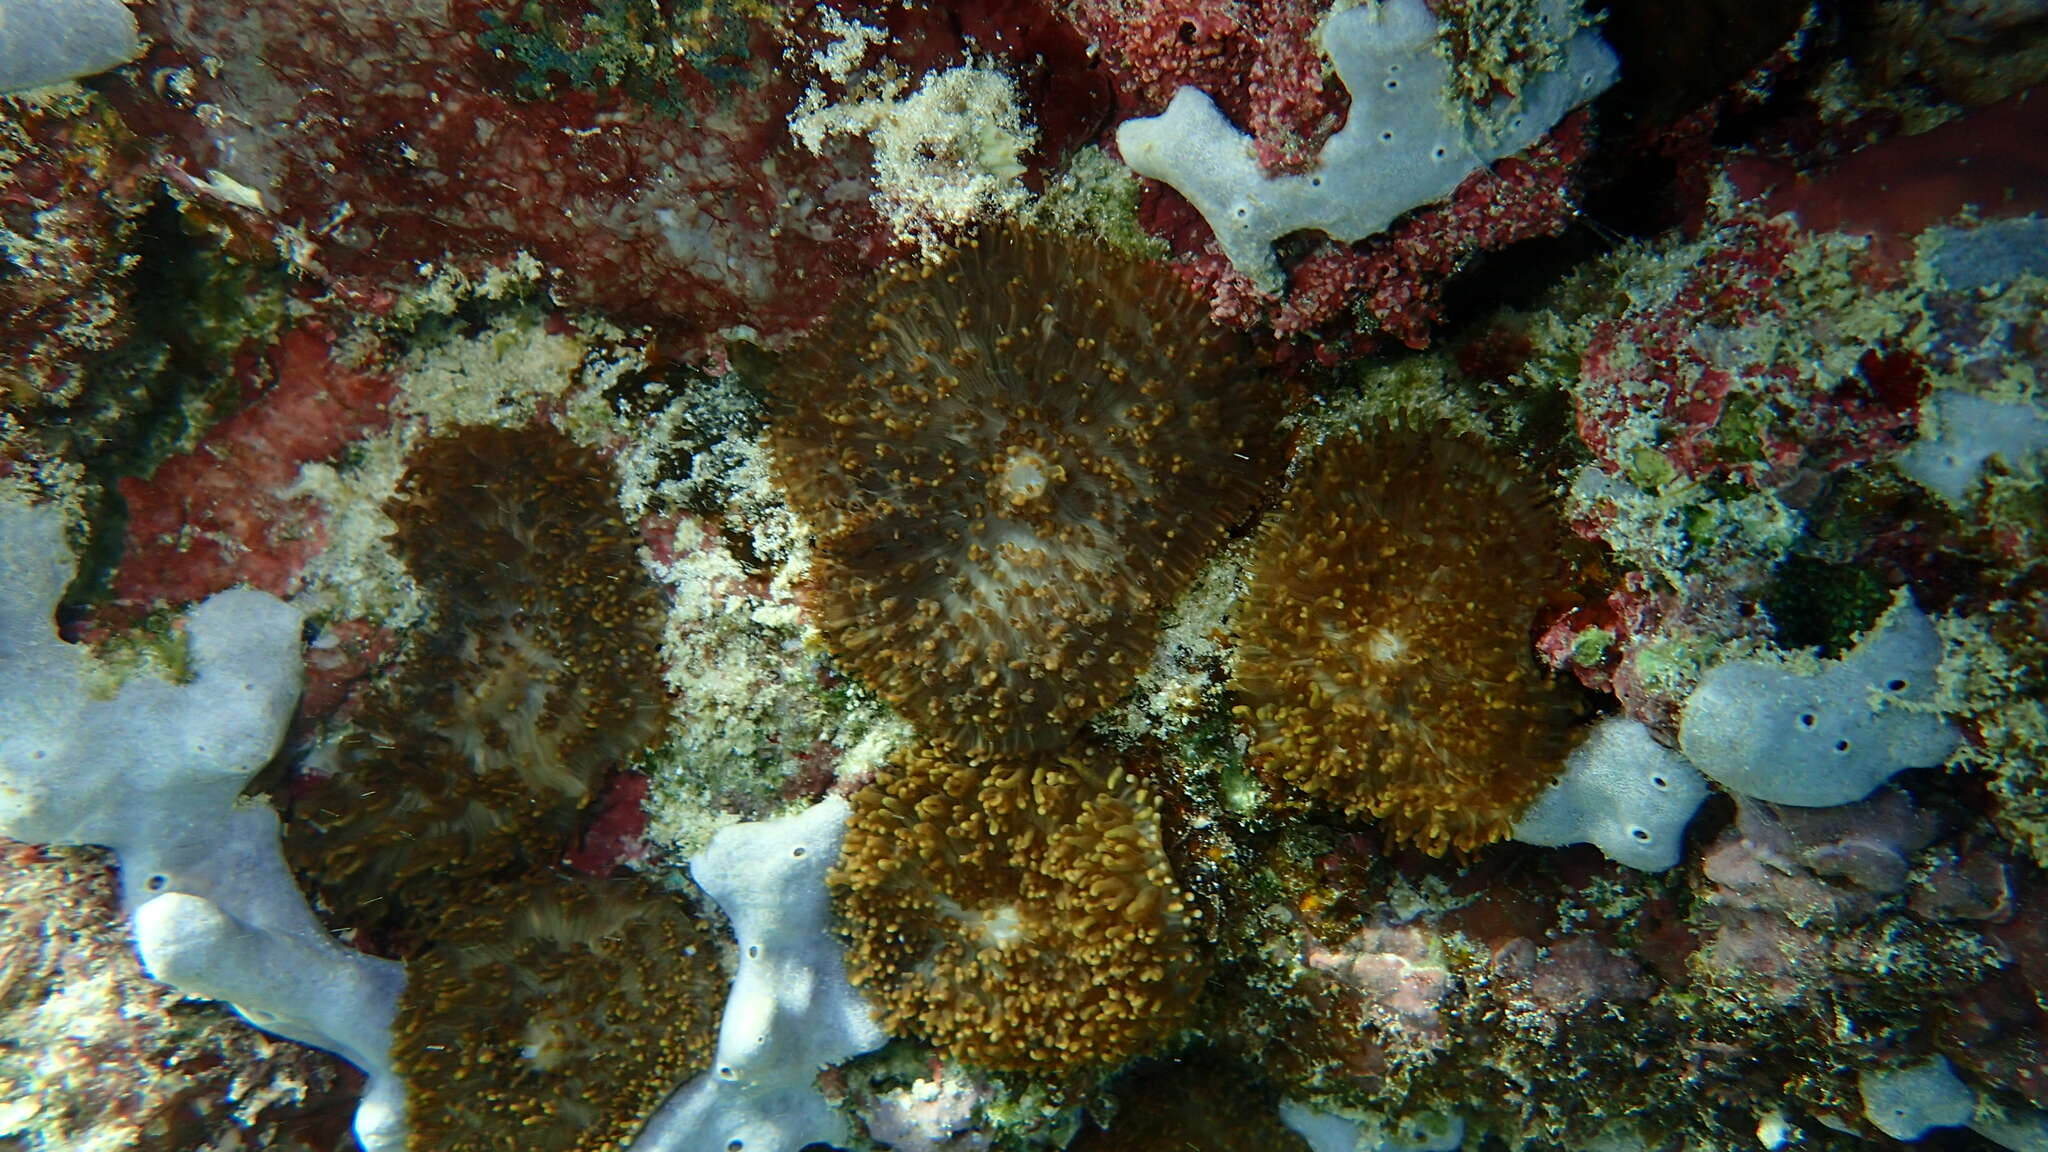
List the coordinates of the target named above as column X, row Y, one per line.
column 240, row 277
column 1787, row 887
column 1400, row 985
column 1256, row 57
column 1547, row 985
column 1736, row 399
column 338, row 659
column 1804, row 906
column 377, row 137
column 225, row 513
column 1726, row 403
column 1997, row 1033
column 1590, row 637
column 614, row 833
column 1899, row 187
column 1781, row 875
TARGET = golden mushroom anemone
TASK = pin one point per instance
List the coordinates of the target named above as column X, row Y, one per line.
column 1013, row 461
column 1017, row 914
column 1384, row 663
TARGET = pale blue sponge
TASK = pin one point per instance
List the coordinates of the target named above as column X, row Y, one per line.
column 1406, row 142
column 156, row 772
column 791, row 1011
column 1817, row 733
column 1962, row 431
column 1622, row 792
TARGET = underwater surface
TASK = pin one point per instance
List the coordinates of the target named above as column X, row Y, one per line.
column 1014, row 575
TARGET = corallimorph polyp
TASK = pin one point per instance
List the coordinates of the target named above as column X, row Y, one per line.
column 1017, row 913
column 1384, row 662
column 1013, row 460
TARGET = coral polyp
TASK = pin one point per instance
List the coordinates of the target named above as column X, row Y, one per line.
column 1019, row 914
column 1014, row 460
column 1385, row 664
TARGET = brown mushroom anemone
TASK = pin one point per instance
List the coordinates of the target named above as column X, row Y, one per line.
column 1014, row 460
column 542, row 1011
column 539, row 676
column 1384, row 663
column 1018, row 914
column 555, row 1016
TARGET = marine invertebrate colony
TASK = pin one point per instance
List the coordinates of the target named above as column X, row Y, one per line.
column 1385, row 664
column 945, row 155
column 294, row 254
column 1014, row 460
column 1019, row 913
column 542, row 1010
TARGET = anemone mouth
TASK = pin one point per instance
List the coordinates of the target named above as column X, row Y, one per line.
column 993, row 927
column 1385, row 646
column 1024, row 478
column 1011, row 460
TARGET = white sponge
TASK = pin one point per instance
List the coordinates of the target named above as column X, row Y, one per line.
column 1404, row 145
column 1824, row 732
column 791, row 1011
column 1622, row 792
